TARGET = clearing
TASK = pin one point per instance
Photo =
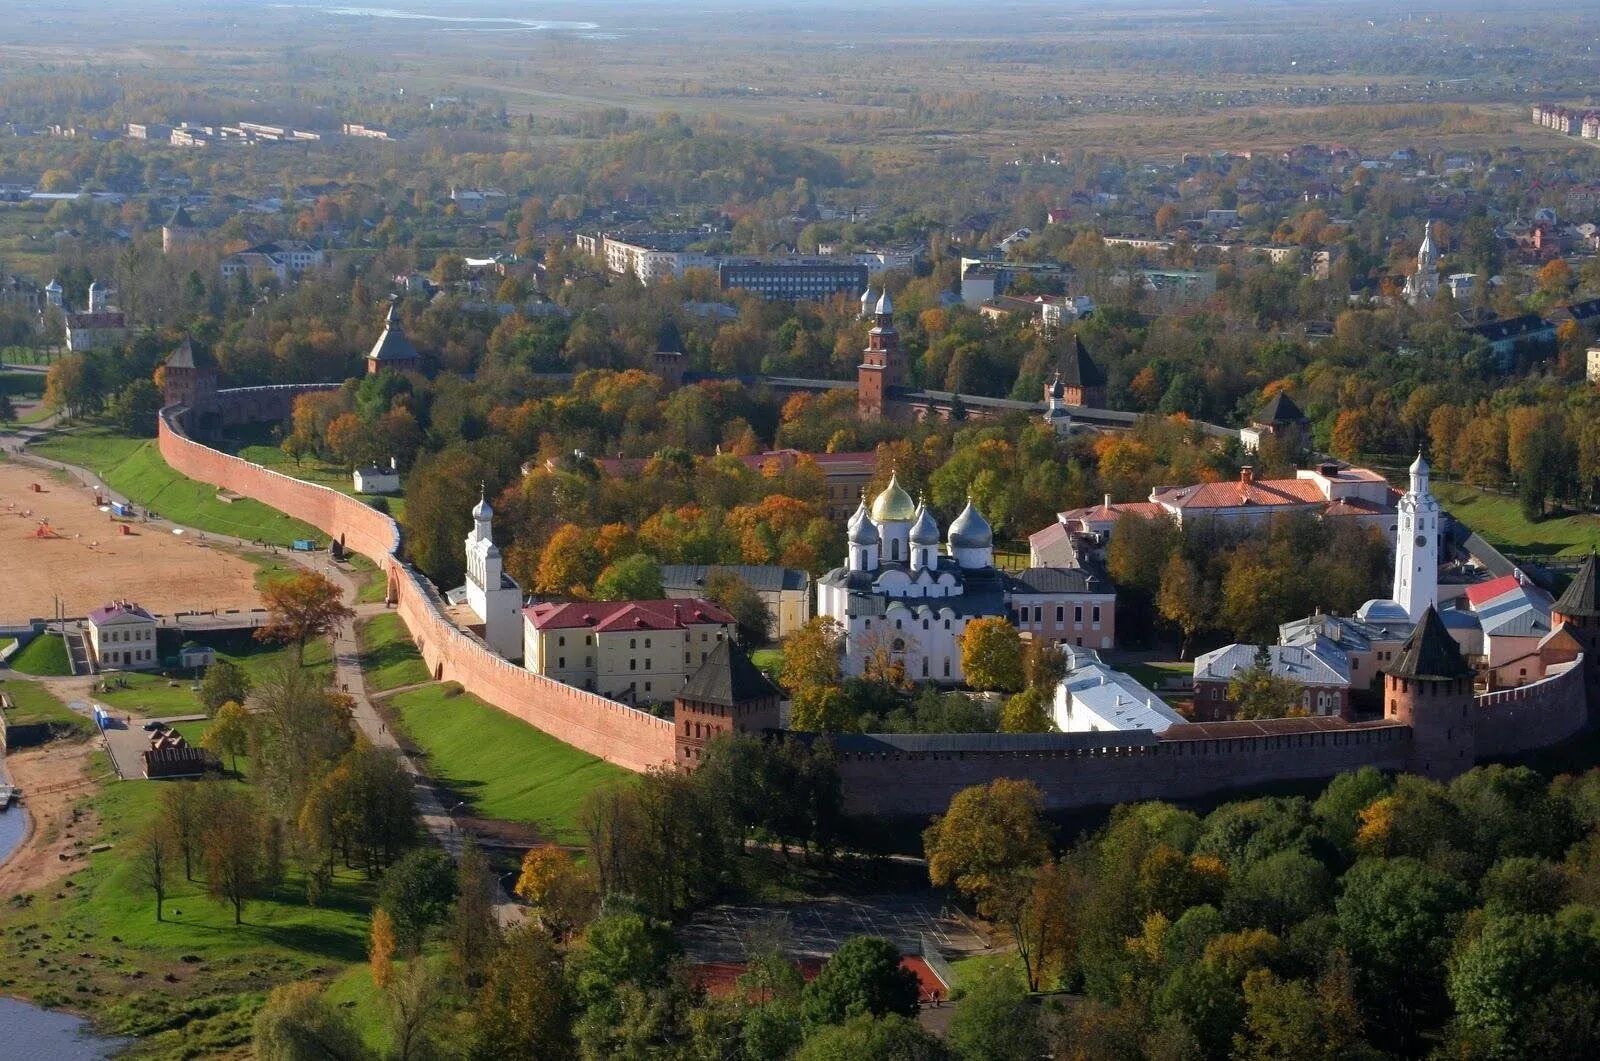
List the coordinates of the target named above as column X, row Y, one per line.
column 87, row 560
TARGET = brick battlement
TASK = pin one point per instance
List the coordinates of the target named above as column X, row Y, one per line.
column 615, row 732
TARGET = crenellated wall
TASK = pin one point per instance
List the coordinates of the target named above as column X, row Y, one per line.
column 612, row 731
column 1186, row 762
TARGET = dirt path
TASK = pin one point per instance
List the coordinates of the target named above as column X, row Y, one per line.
column 52, row 778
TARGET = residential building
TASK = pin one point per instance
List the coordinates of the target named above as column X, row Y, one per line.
column 636, row 651
column 19, row 293
column 1506, row 336
column 282, row 259
column 96, row 330
column 1321, row 669
column 122, row 636
column 1094, row 698
column 1369, row 646
column 376, row 479
column 1593, row 372
column 1331, row 490
column 1074, row 606
column 793, row 279
column 1280, row 418
column 785, row 591
column 364, row 132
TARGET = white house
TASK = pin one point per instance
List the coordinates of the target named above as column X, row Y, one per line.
column 122, row 636
column 1094, row 698
column 375, row 479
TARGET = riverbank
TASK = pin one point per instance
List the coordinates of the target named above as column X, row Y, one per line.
column 53, row 779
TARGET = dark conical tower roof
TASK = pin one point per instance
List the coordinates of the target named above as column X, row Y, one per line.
column 1582, row 598
column 1280, row 410
column 1078, row 368
column 727, row 678
column 668, row 341
column 392, row 346
column 1430, row 653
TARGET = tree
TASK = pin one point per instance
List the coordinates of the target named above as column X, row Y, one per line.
column 300, row 730
column 1256, row 692
column 417, row 892
column 474, row 930
column 153, row 857
column 994, row 1021
column 232, row 846
column 1044, row 664
column 569, row 563
column 564, row 895
column 821, row 709
column 297, row 1024
column 302, row 607
column 224, row 681
column 991, row 654
column 380, row 949
column 1040, row 908
column 1027, row 712
column 989, row 835
column 811, row 655
column 635, row 577
column 1499, row 978
column 1182, row 599
column 8, row 411
column 183, row 813
column 864, row 977
column 133, row 408
column 229, row 734
column 749, row 611
column 891, row 1038
column 1293, row 1020
column 415, row 999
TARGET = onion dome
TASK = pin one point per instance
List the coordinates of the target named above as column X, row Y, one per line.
column 482, row 511
column 863, row 531
column 885, row 307
column 1419, row 466
column 924, row 531
column 970, row 530
column 894, row 505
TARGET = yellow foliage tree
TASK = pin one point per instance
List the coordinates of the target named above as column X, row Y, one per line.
column 381, row 951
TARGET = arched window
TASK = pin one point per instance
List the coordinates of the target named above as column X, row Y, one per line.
column 899, row 644
column 894, row 549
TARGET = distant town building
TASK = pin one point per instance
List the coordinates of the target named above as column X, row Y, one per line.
column 793, row 279
column 1423, row 285
column 178, row 231
column 364, row 132
column 1593, row 355
column 784, row 590
column 1280, row 418
column 637, row 651
column 283, row 259
column 122, row 636
column 95, row 331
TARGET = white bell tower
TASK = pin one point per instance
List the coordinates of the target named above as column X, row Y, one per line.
column 493, row 597
column 1416, row 551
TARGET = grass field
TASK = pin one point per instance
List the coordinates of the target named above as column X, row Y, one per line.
column 501, row 767
column 1153, row 675
column 44, row 657
column 188, row 986
column 133, row 466
column 374, row 583
column 156, row 695
column 1501, row 523
column 389, row 658
column 32, row 702
column 770, row 660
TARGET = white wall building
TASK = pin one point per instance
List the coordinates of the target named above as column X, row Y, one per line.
column 1416, row 560
column 1423, row 285
column 376, row 479
column 122, row 636
column 491, row 594
column 1094, row 698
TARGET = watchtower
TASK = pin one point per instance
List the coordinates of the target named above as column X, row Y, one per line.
column 1429, row 688
column 728, row 694
column 1579, row 611
column 882, row 368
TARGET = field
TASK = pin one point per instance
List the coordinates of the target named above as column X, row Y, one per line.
column 88, row 561
column 133, row 466
column 32, row 702
column 45, row 657
column 502, row 768
column 154, row 695
column 187, row 986
column 1501, row 523
column 388, row 656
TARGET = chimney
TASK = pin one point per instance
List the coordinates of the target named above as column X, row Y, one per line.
column 1108, row 501
column 394, row 464
column 1247, row 475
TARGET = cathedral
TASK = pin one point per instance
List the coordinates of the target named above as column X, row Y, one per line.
column 901, row 594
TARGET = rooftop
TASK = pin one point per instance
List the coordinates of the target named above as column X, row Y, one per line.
column 1430, row 653
column 728, row 678
column 615, row 616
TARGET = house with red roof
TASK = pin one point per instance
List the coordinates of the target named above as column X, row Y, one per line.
column 640, row 651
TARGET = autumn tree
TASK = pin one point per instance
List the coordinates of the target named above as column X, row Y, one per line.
column 563, row 894
column 822, row 709
column 991, row 654
column 1182, row 599
column 635, row 577
column 153, row 858
column 1257, row 692
column 224, row 681
column 1027, row 712
column 302, row 607
column 569, row 563
column 474, row 931
column 811, row 655
column 749, row 611
column 380, row 948
column 297, row 1023
column 229, row 734
column 183, row 812
column 525, row 1007
column 232, row 846
column 989, row 835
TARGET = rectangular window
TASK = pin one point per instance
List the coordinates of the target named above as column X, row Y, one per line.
column 647, row 664
column 1077, row 613
column 562, row 641
column 686, row 659
column 647, row 642
column 1038, row 613
column 633, row 664
column 633, row 642
column 647, row 687
column 561, row 661
column 1061, row 613
column 1094, row 615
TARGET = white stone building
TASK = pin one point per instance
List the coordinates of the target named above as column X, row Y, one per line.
column 493, row 597
column 1423, row 285
column 122, row 636
column 1093, row 698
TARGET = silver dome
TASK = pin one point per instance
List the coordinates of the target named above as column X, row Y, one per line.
column 970, row 530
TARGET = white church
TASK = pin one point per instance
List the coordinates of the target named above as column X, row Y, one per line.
column 492, row 596
column 1416, row 560
column 1423, row 285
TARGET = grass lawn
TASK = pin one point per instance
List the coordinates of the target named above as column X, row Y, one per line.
column 374, row 583
column 6, row 642
column 133, row 466
column 971, row 970
column 313, row 470
column 1500, row 521
column 770, row 660
column 501, row 767
column 32, row 702
column 188, row 986
column 45, row 657
column 389, row 658
column 157, row 695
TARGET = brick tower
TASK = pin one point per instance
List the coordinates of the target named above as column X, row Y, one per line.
column 882, row 367
column 1429, row 688
column 1579, row 611
column 187, row 379
column 728, row 694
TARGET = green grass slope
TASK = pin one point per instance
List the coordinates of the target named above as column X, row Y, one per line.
column 43, row 657
column 1501, row 523
column 389, row 658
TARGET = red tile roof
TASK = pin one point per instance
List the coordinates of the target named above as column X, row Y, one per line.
column 1265, row 492
column 613, row 616
column 1483, row 592
column 1109, row 513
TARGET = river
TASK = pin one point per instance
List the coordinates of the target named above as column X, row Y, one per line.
column 48, row 1035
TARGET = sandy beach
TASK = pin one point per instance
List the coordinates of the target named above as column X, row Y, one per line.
column 52, row 779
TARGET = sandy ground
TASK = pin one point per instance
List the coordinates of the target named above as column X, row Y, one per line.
column 91, row 562
column 52, row 779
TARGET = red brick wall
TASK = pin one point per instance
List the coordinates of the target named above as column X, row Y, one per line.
column 612, row 731
column 1531, row 716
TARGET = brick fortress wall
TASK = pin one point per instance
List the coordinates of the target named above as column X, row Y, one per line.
column 1204, row 760
column 612, row 731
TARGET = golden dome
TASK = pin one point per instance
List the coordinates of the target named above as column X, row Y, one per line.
column 894, row 504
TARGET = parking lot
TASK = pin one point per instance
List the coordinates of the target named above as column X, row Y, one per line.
column 125, row 741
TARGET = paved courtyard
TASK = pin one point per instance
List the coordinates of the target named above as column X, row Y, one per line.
column 125, row 741
column 816, row 928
